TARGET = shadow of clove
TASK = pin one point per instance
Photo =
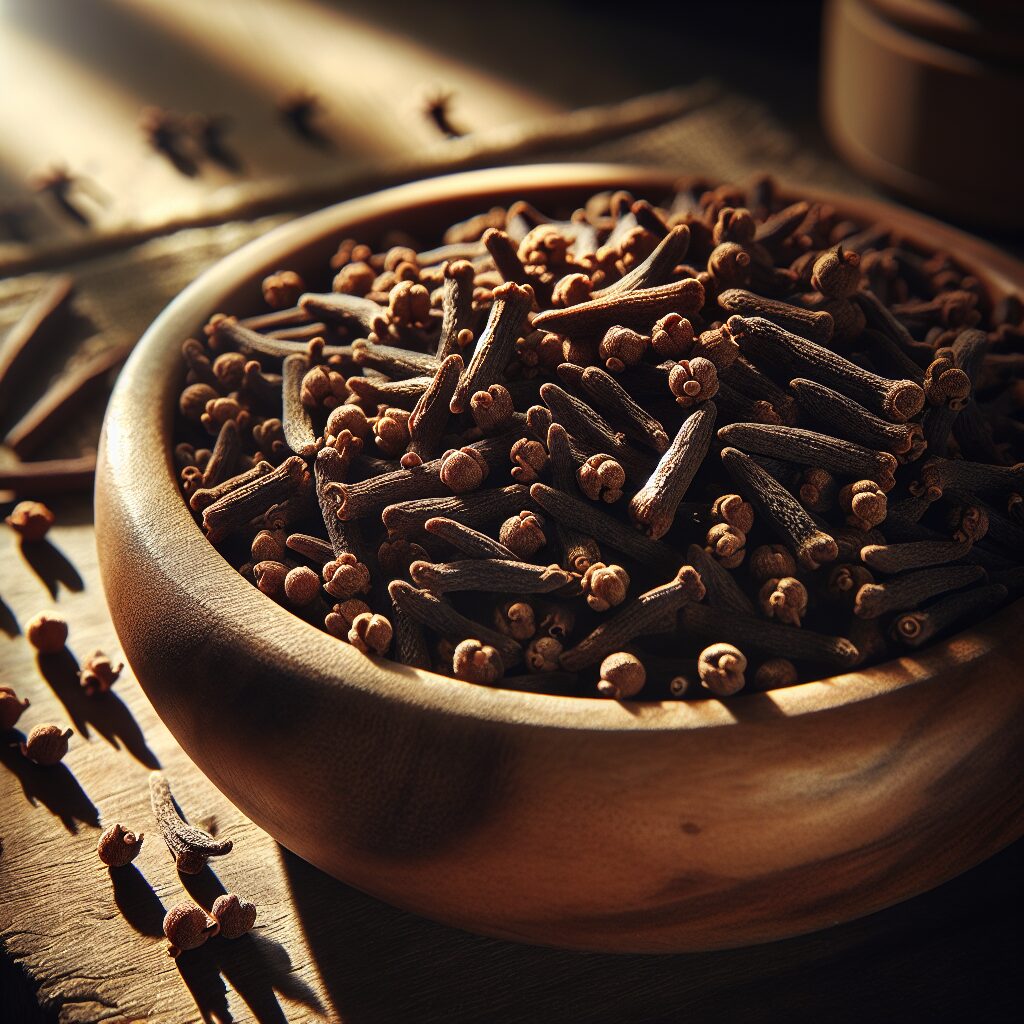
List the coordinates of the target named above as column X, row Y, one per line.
column 203, row 887
column 137, row 900
column 51, row 565
column 55, row 787
column 107, row 713
column 255, row 966
column 8, row 621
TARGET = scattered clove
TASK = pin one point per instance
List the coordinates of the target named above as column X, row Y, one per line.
column 190, row 847
column 118, row 846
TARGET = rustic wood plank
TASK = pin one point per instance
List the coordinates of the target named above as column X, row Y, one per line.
column 90, row 938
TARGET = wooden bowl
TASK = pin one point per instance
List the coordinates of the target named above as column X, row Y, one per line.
column 644, row 827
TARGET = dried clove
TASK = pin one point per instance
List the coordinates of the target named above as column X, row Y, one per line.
column 653, row 508
column 118, row 846
column 780, row 510
column 190, row 847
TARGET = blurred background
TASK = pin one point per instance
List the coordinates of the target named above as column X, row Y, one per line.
column 123, row 118
column 264, row 103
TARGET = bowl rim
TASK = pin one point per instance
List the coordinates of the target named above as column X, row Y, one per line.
column 217, row 589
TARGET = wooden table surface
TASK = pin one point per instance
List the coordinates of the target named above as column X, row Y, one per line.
column 81, row 943
column 90, row 939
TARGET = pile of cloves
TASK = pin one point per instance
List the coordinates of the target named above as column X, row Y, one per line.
column 727, row 441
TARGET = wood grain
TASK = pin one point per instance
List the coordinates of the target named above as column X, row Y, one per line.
column 553, row 820
column 85, row 941
column 90, row 937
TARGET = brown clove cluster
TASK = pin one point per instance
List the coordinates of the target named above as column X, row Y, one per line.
column 687, row 445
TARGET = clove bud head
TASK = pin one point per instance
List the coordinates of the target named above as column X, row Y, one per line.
column 118, row 846
column 476, row 662
column 47, row 632
column 622, row 676
column 721, row 668
column 523, row 534
column 370, row 633
column 31, row 520
column 234, row 915
column 47, row 744
column 11, row 708
column 605, row 586
column 187, row 927
column 463, row 469
column 515, row 619
column 98, row 674
column 543, row 653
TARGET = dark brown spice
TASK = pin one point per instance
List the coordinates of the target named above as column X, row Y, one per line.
column 780, row 510
column 589, row 293
column 190, row 847
column 396, row 362
column 810, row 448
column 722, row 589
column 11, row 708
column 505, row 254
column 469, row 541
column 847, row 418
column 119, row 846
column 46, row 744
column 917, row 627
column 433, row 612
column 241, row 505
column 897, row 400
column 816, row 325
column 653, row 508
column 226, row 333
column 579, row 550
column 652, row 612
column 636, row 308
column 721, row 669
column 494, row 348
column 405, row 518
column 31, row 520
column 226, row 454
column 429, row 416
column 906, row 591
column 53, row 476
column 622, row 676
column 769, row 637
column 610, row 396
column 489, row 574
column 893, row 558
column 603, row 528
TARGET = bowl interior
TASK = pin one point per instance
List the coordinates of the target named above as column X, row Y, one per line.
column 423, row 209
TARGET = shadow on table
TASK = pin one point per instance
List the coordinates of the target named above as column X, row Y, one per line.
column 256, row 966
column 8, row 620
column 137, row 900
column 106, row 713
column 54, row 786
column 51, row 565
column 938, row 950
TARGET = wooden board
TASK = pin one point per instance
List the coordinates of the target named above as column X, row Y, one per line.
column 89, row 939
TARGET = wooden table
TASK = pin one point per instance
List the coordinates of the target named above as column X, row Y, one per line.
column 90, row 938
column 86, row 942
